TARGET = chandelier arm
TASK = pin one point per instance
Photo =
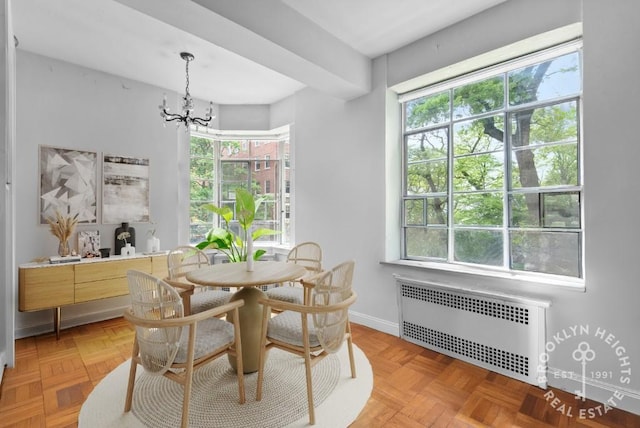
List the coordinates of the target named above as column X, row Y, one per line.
column 170, row 117
column 201, row 121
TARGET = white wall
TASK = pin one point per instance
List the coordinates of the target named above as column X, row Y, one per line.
column 62, row 105
column 340, row 176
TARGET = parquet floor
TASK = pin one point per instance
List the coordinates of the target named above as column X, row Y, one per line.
column 413, row 387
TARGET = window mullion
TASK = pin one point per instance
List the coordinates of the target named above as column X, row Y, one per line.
column 506, row 210
column 450, row 142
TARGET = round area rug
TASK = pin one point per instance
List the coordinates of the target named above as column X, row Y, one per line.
column 157, row 401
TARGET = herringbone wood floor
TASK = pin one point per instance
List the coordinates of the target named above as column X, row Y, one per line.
column 413, row 387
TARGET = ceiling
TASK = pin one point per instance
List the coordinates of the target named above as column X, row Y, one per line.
column 246, row 51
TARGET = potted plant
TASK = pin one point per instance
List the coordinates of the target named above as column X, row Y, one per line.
column 236, row 246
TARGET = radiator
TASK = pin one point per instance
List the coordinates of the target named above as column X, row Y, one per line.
column 502, row 333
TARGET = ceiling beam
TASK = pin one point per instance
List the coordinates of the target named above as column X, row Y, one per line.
column 273, row 35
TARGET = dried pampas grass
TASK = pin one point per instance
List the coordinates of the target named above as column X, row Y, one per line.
column 62, row 227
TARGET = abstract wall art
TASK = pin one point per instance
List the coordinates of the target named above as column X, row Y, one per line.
column 125, row 189
column 68, row 184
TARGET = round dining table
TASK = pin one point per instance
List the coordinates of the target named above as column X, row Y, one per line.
column 236, row 275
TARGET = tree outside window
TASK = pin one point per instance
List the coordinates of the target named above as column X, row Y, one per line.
column 492, row 169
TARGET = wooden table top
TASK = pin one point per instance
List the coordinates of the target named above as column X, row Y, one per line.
column 236, row 275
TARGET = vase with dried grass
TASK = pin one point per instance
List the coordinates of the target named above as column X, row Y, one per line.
column 62, row 227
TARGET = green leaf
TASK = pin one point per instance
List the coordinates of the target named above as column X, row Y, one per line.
column 263, row 232
column 245, row 208
column 258, row 253
column 224, row 212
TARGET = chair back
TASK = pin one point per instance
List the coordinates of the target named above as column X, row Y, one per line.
column 154, row 299
column 308, row 255
column 332, row 288
column 184, row 259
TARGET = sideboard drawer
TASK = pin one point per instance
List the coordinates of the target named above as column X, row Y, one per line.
column 46, row 287
column 114, row 269
column 102, row 289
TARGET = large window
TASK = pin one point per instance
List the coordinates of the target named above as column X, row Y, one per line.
column 492, row 167
column 221, row 165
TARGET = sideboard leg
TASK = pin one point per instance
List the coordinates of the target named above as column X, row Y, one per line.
column 56, row 321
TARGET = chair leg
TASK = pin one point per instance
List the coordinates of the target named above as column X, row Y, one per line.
column 263, row 351
column 188, row 376
column 132, row 376
column 238, row 350
column 187, row 395
column 307, row 366
column 352, row 361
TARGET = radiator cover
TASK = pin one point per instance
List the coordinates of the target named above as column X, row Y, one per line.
column 502, row 333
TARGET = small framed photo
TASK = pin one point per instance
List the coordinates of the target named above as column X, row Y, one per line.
column 89, row 243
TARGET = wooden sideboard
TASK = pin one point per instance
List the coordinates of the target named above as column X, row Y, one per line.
column 51, row 286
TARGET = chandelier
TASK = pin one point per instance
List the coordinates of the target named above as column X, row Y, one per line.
column 187, row 104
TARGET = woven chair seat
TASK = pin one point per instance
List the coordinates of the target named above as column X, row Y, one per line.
column 211, row 334
column 204, row 300
column 286, row 293
column 287, row 327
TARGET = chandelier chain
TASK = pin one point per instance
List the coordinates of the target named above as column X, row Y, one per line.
column 187, row 69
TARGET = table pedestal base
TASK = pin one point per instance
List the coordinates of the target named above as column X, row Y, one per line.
column 250, row 328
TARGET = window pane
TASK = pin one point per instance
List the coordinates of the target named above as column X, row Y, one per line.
column 201, row 220
column 198, row 231
column 428, row 110
column 237, row 172
column 561, row 210
column 237, row 149
column 427, row 177
column 525, row 210
column 437, row 211
column 547, row 252
column 201, row 190
column 428, row 145
column 480, row 135
column 553, row 124
column 422, row 242
column 202, row 179
column 478, row 97
column 414, row 212
column 545, row 166
column 478, row 209
column 551, row 79
column 201, row 147
column 479, row 172
column 479, row 246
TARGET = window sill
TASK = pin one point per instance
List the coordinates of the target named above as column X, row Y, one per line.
column 536, row 279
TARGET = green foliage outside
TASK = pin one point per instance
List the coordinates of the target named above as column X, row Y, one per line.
column 539, row 125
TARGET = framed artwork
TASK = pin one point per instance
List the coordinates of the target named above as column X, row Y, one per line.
column 125, row 189
column 68, row 184
column 89, row 243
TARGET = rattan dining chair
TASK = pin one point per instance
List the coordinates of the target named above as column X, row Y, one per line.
column 184, row 259
column 307, row 255
column 314, row 330
column 170, row 344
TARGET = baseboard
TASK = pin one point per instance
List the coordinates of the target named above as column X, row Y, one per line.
column 597, row 390
column 384, row 326
column 70, row 321
column 3, row 364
